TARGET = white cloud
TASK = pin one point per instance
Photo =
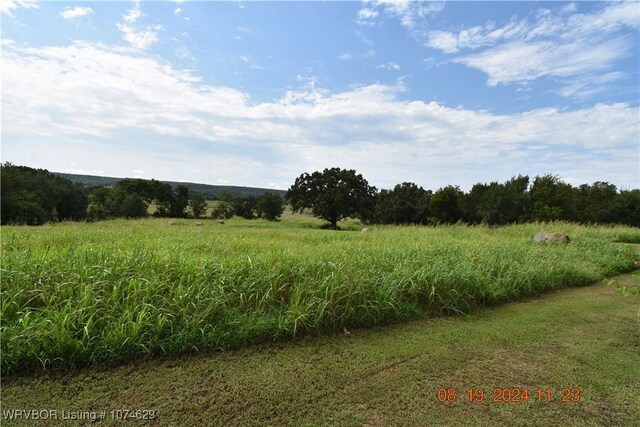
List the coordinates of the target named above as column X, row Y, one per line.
column 521, row 61
column 411, row 14
column 88, row 95
column 388, row 66
column 6, row 6
column 138, row 38
column 344, row 56
column 177, row 11
column 134, row 13
column 589, row 85
column 608, row 20
column 444, row 41
column 561, row 45
column 75, row 12
column 569, row 8
column 366, row 16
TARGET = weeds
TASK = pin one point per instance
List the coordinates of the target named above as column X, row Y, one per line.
column 87, row 294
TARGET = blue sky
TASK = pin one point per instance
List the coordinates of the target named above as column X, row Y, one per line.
column 255, row 93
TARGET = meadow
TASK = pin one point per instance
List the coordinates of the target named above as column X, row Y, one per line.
column 78, row 294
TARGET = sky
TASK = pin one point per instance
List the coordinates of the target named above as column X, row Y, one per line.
column 255, row 93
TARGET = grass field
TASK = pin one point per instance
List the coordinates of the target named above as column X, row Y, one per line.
column 581, row 338
column 78, row 294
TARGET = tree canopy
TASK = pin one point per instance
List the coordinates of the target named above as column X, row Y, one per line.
column 198, row 205
column 332, row 195
column 269, row 206
column 405, row 204
column 35, row 196
column 445, row 205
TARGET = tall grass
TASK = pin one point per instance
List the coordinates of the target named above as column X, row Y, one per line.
column 81, row 294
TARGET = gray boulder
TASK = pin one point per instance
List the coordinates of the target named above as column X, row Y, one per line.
column 551, row 237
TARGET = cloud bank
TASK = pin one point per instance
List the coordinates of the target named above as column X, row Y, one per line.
column 545, row 44
column 127, row 105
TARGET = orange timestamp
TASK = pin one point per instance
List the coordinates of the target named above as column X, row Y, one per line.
column 509, row 395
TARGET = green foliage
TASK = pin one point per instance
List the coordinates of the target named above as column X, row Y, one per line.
column 332, row 195
column 269, row 206
column 179, row 201
column 82, row 294
column 35, row 196
column 208, row 191
column 629, row 208
column 133, row 206
column 224, row 209
column 405, row 204
column 497, row 204
column 31, row 196
column 165, row 200
column 586, row 338
column 116, row 202
column 145, row 189
column 198, row 205
column 131, row 198
column 446, row 205
column 596, row 203
column 244, row 206
column 552, row 199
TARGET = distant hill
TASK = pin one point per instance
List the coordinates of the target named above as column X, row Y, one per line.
column 208, row 191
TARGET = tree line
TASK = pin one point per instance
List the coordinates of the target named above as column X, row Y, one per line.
column 209, row 191
column 35, row 196
column 336, row 193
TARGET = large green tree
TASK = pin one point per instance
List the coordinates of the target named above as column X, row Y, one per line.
column 198, row 205
column 164, row 198
column 496, row 203
column 405, row 204
column 552, row 199
column 446, row 205
column 244, row 206
column 179, row 202
column 596, row 203
column 144, row 188
column 333, row 194
column 269, row 206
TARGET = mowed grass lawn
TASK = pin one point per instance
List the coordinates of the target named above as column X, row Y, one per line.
column 584, row 338
column 78, row 294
